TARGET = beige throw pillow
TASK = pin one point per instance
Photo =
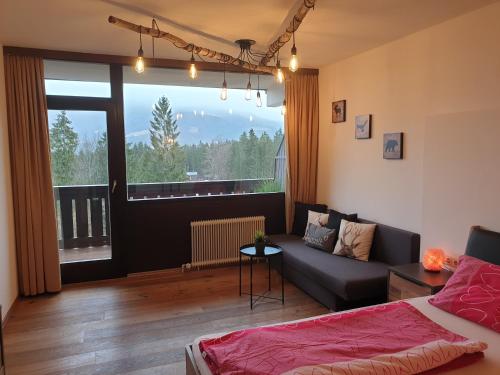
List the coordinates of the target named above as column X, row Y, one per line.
column 355, row 240
column 316, row 218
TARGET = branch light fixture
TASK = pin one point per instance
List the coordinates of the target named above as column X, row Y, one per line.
column 248, row 92
column 258, row 102
column 223, row 91
column 139, row 62
column 247, row 60
column 293, row 65
column 193, row 72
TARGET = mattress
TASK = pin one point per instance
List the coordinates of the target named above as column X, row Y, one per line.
column 489, row 365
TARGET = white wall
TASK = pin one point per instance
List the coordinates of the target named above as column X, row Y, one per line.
column 8, row 273
column 441, row 87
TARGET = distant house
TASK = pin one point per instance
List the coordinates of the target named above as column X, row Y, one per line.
column 192, row 176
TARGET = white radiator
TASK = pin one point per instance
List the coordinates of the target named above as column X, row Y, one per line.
column 216, row 242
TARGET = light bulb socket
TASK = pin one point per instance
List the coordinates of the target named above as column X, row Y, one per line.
column 294, row 50
column 249, row 85
column 224, row 84
column 192, row 59
column 140, row 52
column 278, row 65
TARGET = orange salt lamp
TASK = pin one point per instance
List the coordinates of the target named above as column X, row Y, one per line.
column 433, row 260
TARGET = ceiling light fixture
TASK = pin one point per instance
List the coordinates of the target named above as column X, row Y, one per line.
column 259, row 100
column 193, row 72
column 280, row 77
column 139, row 62
column 248, row 92
column 223, row 91
column 294, row 62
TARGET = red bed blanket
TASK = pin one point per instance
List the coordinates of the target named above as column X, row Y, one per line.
column 388, row 339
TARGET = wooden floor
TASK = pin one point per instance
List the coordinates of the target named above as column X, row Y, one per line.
column 138, row 325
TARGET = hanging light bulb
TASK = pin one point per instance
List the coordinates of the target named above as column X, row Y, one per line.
column 193, row 73
column 283, row 108
column 139, row 62
column 294, row 62
column 280, row 77
column 248, row 93
column 223, row 91
column 259, row 100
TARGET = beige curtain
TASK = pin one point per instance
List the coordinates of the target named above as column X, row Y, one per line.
column 34, row 212
column 301, row 132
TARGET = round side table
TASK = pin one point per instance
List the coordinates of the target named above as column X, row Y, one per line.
column 270, row 251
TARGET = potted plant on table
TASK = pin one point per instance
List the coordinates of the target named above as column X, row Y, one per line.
column 260, row 242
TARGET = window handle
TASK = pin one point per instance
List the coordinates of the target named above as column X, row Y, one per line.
column 114, row 187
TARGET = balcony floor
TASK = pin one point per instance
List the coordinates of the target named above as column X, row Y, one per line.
column 84, row 254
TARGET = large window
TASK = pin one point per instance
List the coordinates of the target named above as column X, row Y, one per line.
column 76, row 79
column 183, row 140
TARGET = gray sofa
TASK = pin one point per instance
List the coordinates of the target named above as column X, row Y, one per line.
column 341, row 283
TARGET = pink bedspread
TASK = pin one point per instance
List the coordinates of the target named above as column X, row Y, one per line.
column 388, row 339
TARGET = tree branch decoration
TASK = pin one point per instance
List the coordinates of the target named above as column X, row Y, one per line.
column 220, row 56
column 275, row 46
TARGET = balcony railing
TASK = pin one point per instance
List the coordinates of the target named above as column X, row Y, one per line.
column 83, row 210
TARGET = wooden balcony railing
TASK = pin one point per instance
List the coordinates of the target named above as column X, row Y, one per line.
column 82, row 215
column 83, row 210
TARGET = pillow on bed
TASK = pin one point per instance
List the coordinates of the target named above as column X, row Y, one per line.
column 472, row 293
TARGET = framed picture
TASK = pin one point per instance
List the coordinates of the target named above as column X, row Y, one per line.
column 363, row 125
column 338, row 111
column 393, row 146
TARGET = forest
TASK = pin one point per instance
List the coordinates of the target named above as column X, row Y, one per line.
column 83, row 161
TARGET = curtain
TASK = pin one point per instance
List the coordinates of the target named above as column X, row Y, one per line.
column 34, row 210
column 301, row 132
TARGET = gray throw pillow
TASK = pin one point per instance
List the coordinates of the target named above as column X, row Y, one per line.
column 320, row 237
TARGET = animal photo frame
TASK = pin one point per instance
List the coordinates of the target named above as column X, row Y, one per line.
column 339, row 111
column 393, row 146
column 363, row 124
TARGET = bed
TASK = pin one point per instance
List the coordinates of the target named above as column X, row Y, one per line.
column 482, row 244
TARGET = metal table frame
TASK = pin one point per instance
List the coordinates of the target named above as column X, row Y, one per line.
column 268, row 257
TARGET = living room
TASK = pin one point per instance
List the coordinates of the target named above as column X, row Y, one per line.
column 164, row 187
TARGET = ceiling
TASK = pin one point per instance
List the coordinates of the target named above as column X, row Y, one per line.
column 335, row 30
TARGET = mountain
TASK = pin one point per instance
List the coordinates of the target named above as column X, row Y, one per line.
column 194, row 127
column 203, row 127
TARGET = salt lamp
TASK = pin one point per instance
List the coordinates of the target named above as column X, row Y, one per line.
column 433, row 260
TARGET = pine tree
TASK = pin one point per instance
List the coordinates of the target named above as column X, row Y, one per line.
column 63, row 145
column 163, row 134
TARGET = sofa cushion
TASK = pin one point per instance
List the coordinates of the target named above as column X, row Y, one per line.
column 301, row 214
column 348, row 278
column 319, row 237
column 335, row 218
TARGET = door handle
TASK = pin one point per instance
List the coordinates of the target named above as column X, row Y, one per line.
column 114, row 187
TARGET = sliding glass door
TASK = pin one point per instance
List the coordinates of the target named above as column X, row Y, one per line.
column 85, row 173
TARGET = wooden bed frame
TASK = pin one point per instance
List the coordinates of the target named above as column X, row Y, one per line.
column 191, row 368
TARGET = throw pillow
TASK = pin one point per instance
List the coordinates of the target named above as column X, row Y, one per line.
column 319, row 237
column 317, row 218
column 335, row 218
column 355, row 240
column 300, row 217
column 472, row 292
